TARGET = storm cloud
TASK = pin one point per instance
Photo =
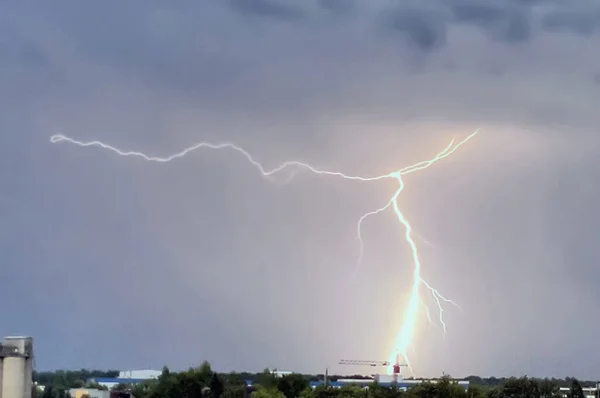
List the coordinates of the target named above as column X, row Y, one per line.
column 117, row 262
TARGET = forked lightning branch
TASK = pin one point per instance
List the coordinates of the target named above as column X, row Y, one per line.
column 406, row 330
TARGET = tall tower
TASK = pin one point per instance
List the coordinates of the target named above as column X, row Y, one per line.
column 16, row 355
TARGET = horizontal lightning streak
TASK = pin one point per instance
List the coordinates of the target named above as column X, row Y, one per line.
column 407, row 328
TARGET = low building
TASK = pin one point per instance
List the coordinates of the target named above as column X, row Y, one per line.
column 88, row 392
column 96, row 393
column 145, row 374
column 280, row 373
column 382, row 380
column 588, row 392
column 127, row 377
column 110, row 383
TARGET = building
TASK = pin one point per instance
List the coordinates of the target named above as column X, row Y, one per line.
column 280, row 373
column 383, row 380
column 588, row 392
column 126, row 377
column 88, row 392
column 16, row 367
column 145, row 374
column 95, row 393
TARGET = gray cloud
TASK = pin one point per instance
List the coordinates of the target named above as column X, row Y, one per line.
column 573, row 18
column 270, row 8
column 505, row 22
column 425, row 28
column 202, row 250
column 425, row 24
column 338, row 5
column 512, row 22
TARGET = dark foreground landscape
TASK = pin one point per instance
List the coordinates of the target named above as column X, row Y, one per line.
column 202, row 382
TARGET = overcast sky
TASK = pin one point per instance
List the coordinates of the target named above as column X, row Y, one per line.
column 116, row 262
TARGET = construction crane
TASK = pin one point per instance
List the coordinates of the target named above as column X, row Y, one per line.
column 395, row 368
column 363, row 363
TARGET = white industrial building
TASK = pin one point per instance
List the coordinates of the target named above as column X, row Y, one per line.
column 280, row 373
column 588, row 392
column 127, row 377
column 145, row 374
column 16, row 367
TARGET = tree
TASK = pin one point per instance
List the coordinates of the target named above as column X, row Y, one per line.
column 576, row 391
column 121, row 387
column 292, row 385
column 476, row 391
column 549, row 389
column 48, row 392
column 205, row 372
column 266, row 379
column 522, row 387
column 269, row 392
column 378, row 391
column 234, row 379
column 216, row 386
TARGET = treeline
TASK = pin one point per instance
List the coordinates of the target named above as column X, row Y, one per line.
column 202, row 382
column 65, row 379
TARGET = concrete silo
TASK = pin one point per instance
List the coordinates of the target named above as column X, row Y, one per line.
column 1, row 370
column 16, row 354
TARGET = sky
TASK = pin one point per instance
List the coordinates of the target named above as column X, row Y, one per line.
column 116, row 262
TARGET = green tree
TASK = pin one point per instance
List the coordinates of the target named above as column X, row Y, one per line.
column 476, row 391
column 292, row 385
column 495, row 392
column 267, row 392
column 234, row 391
column 352, row 391
column 522, row 387
column 216, row 386
column 576, row 391
column 308, row 393
column 267, row 379
column 378, row 391
column 188, row 384
column 234, row 379
column 48, row 392
column 205, row 371
column 548, row 389
column 121, row 387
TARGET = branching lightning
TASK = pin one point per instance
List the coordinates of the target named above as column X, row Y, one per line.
column 407, row 328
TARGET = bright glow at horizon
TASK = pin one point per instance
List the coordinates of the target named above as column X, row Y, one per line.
column 406, row 331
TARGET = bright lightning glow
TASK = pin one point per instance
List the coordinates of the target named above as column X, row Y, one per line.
column 409, row 321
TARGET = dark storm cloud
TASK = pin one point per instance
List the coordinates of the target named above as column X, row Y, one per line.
column 283, row 9
column 427, row 27
column 510, row 22
column 583, row 21
column 337, row 5
column 425, row 24
column 424, row 28
column 16, row 48
column 505, row 22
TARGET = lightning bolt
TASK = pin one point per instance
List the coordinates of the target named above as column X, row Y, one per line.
column 409, row 321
